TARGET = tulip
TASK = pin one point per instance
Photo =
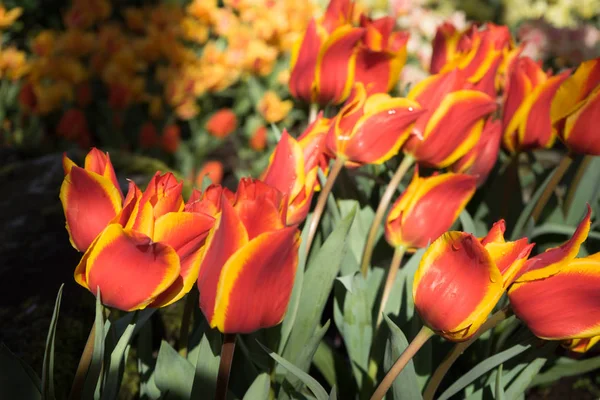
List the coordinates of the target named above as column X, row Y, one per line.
column 91, row 197
column 460, row 279
column 371, row 129
column 323, row 61
column 453, row 122
column 142, row 238
column 293, row 169
column 258, row 141
column 556, row 294
column 247, row 273
column 381, row 54
column 480, row 160
column 576, row 108
column 212, row 170
column 526, row 121
column 427, row 208
column 209, row 201
column 477, row 53
column 581, row 345
column 222, row 123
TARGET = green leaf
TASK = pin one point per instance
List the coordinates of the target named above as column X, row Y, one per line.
column 116, row 363
column 525, row 216
column 260, row 388
column 565, row 367
column 467, row 223
column 48, row 365
column 146, row 363
column 358, row 233
column 499, row 393
column 352, row 315
column 584, row 191
column 483, row 367
column 17, row 380
column 310, row 382
column 520, row 384
column 92, row 380
column 174, row 374
column 306, row 355
column 207, row 368
column 405, row 386
column 316, row 287
column 333, row 393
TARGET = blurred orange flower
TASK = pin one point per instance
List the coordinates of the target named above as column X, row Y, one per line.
column 222, row 123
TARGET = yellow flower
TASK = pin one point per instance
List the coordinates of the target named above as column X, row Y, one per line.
column 13, row 63
column 272, row 108
column 194, row 31
column 202, row 10
column 44, row 43
column 51, row 97
column 76, row 42
column 8, row 17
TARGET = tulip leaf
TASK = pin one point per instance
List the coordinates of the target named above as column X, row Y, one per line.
column 352, row 315
column 305, row 357
column 260, row 388
column 316, row 287
column 310, row 382
column 174, row 374
column 485, row 366
column 117, row 361
column 357, row 235
column 467, row 223
column 584, row 189
column 333, row 393
column 17, row 380
column 48, row 364
column 207, row 368
column 146, row 364
column 565, row 367
column 499, row 393
column 92, row 380
column 519, row 385
column 525, row 215
column 332, row 366
column 405, row 386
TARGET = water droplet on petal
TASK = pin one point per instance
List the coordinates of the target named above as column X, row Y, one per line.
column 410, row 109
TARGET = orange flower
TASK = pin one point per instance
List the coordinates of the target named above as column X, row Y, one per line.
column 8, row 17
column 452, row 122
column 526, row 121
column 576, row 109
column 212, row 170
column 222, row 123
column 170, row 139
column 371, row 129
column 247, row 272
column 427, row 208
column 258, row 141
column 272, row 108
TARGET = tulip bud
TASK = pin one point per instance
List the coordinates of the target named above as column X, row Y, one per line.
column 222, row 123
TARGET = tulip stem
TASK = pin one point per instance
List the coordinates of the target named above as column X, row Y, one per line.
column 225, row 365
column 460, row 348
column 422, row 337
column 84, row 365
column 389, row 282
column 322, row 200
column 558, row 173
column 313, row 113
column 184, row 329
column 404, row 166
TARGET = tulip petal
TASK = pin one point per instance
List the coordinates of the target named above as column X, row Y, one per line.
column 99, row 162
column 303, row 64
column 552, row 260
column 256, row 283
column 575, row 89
column 382, row 130
column 90, row 201
column 260, row 207
column 286, row 170
column 186, row 234
column 562, row 306
column 456, row 285
column 227, row 237
column 581, row 345
column 336, row 65
column 129, row 268
column 580, row 127
column 509, row 257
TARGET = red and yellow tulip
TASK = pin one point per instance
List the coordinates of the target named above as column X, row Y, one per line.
column 452, row 123
column 526, row 121
column 445, row 44
column 480, row 160
column 323, row 61
column 580, row 345
column 248, row 270
column 293, row 169
column 427, row 208
column 460, row 279
column 371, row 129
column 381, row 54
column 145, row 252
column 556, row 294
column 576, row 109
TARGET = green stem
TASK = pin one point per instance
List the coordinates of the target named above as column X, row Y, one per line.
column 560, row 171
column 459, row 348
column 225, row 365
column 422, row 337
column 389, row 282
column 404, row 166
column 313, row 113
column 322, row 200
column 84, row 365
column 184, row 329
column 574, row 184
